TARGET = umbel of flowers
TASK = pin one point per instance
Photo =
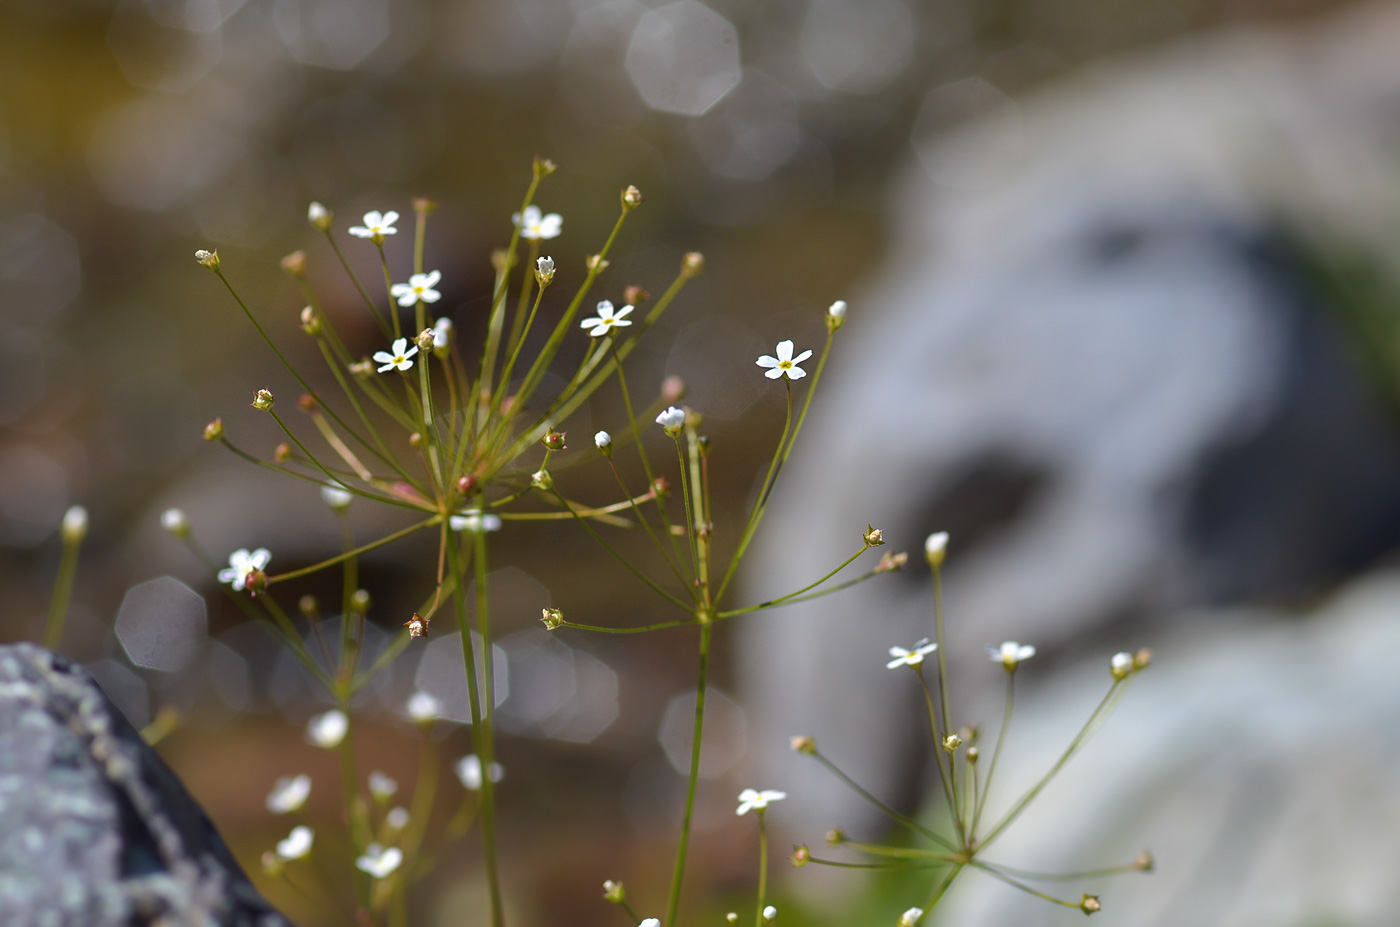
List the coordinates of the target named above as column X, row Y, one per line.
column 462, row 445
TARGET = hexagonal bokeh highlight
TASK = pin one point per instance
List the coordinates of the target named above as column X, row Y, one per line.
column 683, row 58
column 968, row 134
column 721, row 745
column 557, row 691
column 858, row 47
column 161, row 624
column 442, row 674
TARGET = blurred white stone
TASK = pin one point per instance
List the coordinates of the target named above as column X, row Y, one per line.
column 858, row 47
column 723, row 743
column 683, row 58
column 161, row 624
column 126, row 689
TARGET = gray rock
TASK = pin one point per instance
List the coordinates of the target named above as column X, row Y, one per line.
column 95, row 829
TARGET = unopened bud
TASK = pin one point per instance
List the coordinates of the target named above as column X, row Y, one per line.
column 295, row 263
column 209, row 259
column 75, row 525
column 554, row 440
column 552, row 618
column 319, row 216
column 936, row 548
column 359, row 602
column 692, row 264
column 255, row 582
column 424, row 206
column 262, row 400
column 672, row 389
column 214, row 431
column 801, row 856
column 272, row 864
column 1120, row 665
column 415, row 440
column 1144, row 862
column 541, row 480
column 544, row 271
column 836, row 315
column 972, row 754
column 911, row 917
column 615, row 892
column 873, row 537
column 544, row 167
column 803, row 744
column 770, row 914
column 498, row 259
column 424, row 339
column 889, row 562
column 310, row 321
column 282, row 453
column 175, row 521
column 634, row 295
column 361, row 369
column 306, row 403
column 603, row 441
column 835, row 837
column 731, row 918
column 466, row 485
column 631, row 199
column 661, row 487
column 952, row 742
column 1089, row 904
column 596, row 263
column 310, row 608
column 1142, row 659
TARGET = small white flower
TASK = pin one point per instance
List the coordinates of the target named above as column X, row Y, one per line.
column 770, row 914
column 75, row 524
column 545, row 266
column 751, row 800
column 1121, row 664
column 605, row 321
column 911, row 917
column 381, row 786
column 913, row 657
column 296, row 844
column 316, row 213
column 837, row 310
column 419, row 286
column 651, row 922
column 473, row 521
column 378, row 861
column 1010, row 654
column 289, row 793
column 336, row 497
column 672, row 419
column 442, row 332
column 174, row 521
column 241, row 563
column 602, row 439
column 397, row 357
column 469, row 771
column 538, row 226
column 423, row 707
column 376, row 225
column 784, row 363
column 397, row 818
column 328, row 730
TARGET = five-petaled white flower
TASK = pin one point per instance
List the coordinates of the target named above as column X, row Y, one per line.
column 419, row 286
column 672, row 419
column 442, row 332
column 753, row 800
column 651, row 922
column 378, row 861
column 913, row 657
column 606, row 320
column 289, row 793
column 1010, row 654
column 296, row 844
column 784, row 363
column 538, row 226
column 328, row 730
column 468, row 769
column 474, row 522
column 423, row 707
column 241, row 563
column 397, row 357
column 376, row 225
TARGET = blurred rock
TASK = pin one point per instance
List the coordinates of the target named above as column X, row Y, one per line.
column 1109, row 368
column 95, row 830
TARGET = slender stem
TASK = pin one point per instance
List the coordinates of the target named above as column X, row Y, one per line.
column 757, row 512
column 947, row 776
column 621, row 559
column 646, row 522
column 486, row 746
column 902, row 820
column 783, row 599
column 762, row 867
column 689, row 510
column 62, row 591
column 387, row 539
column 1063, row 876
column 802, row 598
column 996, row 751
column 997, row 873
column 939, row 890
column 640, row 630
column 673, row 903
column 354, row 278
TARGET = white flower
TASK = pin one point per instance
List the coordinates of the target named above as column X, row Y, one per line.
column 1121, row 664
column 605, row 321
column 913, row 657
column 602, row 439
column 174, row 521
column 837, row 311
column 751, row 800
column 538, row 226
column 936, row 547
column 911, row 917
column 381, row 786
column 241, row 563
column 289, row 793
column 337, row 497
column 316, row 213
column 378, row 861
column 419, row 286
column 770, row 914
column 397, row 818
column 442, row 332
column 672, row 419
column 1010, row 654
column 423, row 707
column 784, row 363
column 472, row 520
column 75, row 524
column 376, row 225
column 397, row 357
column 651, row 922
column 545, row 267
column 328, row 730
column 297, row 844
column 469, row 771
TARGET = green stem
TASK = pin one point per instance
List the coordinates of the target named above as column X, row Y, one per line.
column 62, row 592
column 762, row 867
column 996, row 752
column 673, row 903
column 387, row 539
column 902, row 820
column 486, row 746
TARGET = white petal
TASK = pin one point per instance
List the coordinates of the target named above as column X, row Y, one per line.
column 767, row 361
column 775, row 373
column 432, row 277
column 373, row 219
column 795, row 373
column 624, row 312
column 590, row 322
column 430, row 296
column 398, row 346
column 802, row 357
column 600, row 331
column 784, row 350
column 383, row 357
column 389, row 218
column 408, row 297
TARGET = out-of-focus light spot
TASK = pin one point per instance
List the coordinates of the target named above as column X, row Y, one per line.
column 506, row 36
column 159, row 56
column 752, row 133
column 557, row 691
column 33, row 495
column 40, row 269
column 151, row 155
column 710, row 386
column 161, row 624
column 332, row 33
column 407, row 137
column 442, row 674
column 722, row 743
column 229, row 677
column 858, row 47
column 968, row 134
column 683, row 58
column 127, row 690
column 595, row 707
column 192, row 15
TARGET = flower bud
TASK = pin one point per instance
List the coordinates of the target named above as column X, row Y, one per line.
column 1089, row 904
column 295, row 263
column 424, row 206
column 255, row 582
column 174, row 521
column 836, row 315
column 209, row 259
column 936, row 548
column 596, row 263
column 282, row 453
column 615, row 892
column 634, row 295
column 541, row 480
column 911, row 917
column 835, row 837
column 214, row 431
column 801, row 856
column 873, row 537
column 631, row 199
column 603, row 440
column 310, row 321
column 263, row 400
column 306, row 403
column 466, row 485
column 672, row 389
column 1120, row 665
column 361, row 369
column 319, row 216
column 770, row 914
column 544, row 271
column 952, row 742
column 972, row 754
column 673, row 420
column 692, row 264
column 336, row 498
column 415, row 440
column 554, row 440
column 424, row 339
column 661, row 487
column 1144, row 862
column 272, row 864
column 552, row 618
column 360, row 601
column 889, row 562
column 731, row 918
column 803, row 744
column 544, row 167
column 75, row 525
column 1142, row 659
column 309, row 607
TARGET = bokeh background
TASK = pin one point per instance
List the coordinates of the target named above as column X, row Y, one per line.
column 798, row 145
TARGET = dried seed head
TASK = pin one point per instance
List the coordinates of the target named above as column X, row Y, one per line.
column 552, row 618
column 873, row 537
column 263, row 400
column 209, row 259
column 424, row 339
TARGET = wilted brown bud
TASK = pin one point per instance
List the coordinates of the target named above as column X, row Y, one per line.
column 295, row 263
column 214, row 431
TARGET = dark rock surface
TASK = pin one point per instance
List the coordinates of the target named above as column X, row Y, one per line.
column 95, row 829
